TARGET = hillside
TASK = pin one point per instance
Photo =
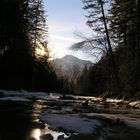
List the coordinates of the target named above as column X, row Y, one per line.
column 69, row 63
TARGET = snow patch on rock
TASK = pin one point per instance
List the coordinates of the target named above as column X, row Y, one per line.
column 129, row 120
column 26, row 94
column 71, row 123
column 15, row 99
column 135, row 104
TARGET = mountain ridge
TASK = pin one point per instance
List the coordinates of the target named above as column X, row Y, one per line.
column 70, row 62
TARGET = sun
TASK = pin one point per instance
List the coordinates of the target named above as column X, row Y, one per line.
column 40, row 51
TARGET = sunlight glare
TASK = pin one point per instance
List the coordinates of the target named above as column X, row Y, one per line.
column 40, row 51
column 36, row 133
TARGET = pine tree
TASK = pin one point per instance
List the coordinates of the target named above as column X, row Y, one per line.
column 22, row 31
column 36, row 30
column 37, row 25
column 14, row 47
column 101, row 41
column 125, row 21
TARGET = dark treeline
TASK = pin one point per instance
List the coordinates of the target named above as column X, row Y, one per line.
column 22, row 32
column 116, row 41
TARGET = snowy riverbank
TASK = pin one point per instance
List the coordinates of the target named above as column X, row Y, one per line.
column 72, row 118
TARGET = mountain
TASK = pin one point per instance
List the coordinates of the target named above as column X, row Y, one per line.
column 70, row 63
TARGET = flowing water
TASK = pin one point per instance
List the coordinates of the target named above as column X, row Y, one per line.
column 20, row 121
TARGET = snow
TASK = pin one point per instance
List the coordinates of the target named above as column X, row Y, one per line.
column 56, row 96
column 26, row 94
column 71, row 123
column 23, row 93
column 86, row 98
column 56, row 134
column 15, row 99
column 129, row 120
column 135, row 104
column 113, row 100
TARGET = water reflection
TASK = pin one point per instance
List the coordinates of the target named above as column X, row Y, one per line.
column 55, row 134
column 36, row 133
column 20, row 121
column 41, row 134
column 15, row 120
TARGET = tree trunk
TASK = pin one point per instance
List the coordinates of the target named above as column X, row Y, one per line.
column 111, row 56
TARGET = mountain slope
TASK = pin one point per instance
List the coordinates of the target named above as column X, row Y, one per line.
column 69, row 63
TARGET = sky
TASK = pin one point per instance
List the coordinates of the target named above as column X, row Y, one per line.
column 65, row 17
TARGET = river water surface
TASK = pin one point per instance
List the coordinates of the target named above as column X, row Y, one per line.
column 20, row 121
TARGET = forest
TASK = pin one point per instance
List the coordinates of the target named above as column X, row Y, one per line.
column 23, row 31
column 101, row 101
column 115, row 45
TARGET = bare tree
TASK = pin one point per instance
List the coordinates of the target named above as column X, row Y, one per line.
column 100, row 43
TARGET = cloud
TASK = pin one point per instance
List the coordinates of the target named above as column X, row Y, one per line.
column 64, row 38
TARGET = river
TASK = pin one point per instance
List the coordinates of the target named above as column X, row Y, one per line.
column 42, row 118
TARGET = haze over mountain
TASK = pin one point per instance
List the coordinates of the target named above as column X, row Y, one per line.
column 69, row 63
